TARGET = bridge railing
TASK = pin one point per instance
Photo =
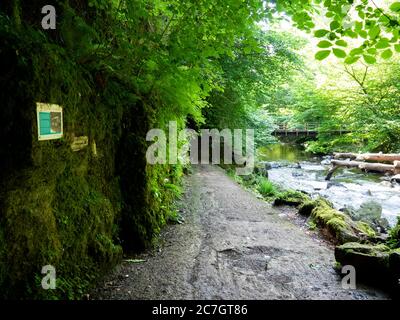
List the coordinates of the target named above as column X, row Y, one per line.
column 307, row 128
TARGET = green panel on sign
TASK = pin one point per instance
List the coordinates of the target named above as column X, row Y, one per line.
column 45, row 125
column 49, row 121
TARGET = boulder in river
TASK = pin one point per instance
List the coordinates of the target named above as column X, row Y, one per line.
column 297, row 174
column 296, row 165
column 334, row 184
column 326, row 162
column 369, row 211
column 395, row 179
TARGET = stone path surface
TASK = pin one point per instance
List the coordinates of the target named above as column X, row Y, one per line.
column 231, row 246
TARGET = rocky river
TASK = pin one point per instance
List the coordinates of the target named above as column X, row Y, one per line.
column 349, row 189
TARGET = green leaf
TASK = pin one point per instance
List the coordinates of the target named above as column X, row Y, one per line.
column 387, row 54
column 321, row 33
column 358, row 26
column 321, row 55
column 341, row 43
column 372, row 51
column 363, row 34
column 395, row 6
column 334, row 25
column 351, row 60
column 374, row 32
column 339, row 53
column 382, row 44
column 397, row 47
column 369, row 59
column 324, row 44
column 356, row 51
column 351, row 34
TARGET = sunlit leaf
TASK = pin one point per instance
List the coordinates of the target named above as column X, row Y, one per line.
column 341, row 43
column 321, row 33
column 334, row 25
column 395, row 6
column 339, row 53
column 321, row 55
column 387, row 54
column 374, row 32
column 369, row 59
column 351, row 60
column 324, row 44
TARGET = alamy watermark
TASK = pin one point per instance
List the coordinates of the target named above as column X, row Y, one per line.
column 49, row 280
column 188, row 146
column 49, row 20
column 349, row 280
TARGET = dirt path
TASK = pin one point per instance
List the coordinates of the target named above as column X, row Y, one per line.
column 231, row 246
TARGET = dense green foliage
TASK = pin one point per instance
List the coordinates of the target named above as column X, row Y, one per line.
column 118, row 68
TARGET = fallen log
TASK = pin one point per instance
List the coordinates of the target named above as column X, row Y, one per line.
column 341, row 155
column 378, row 157
column 336, row 164
column 365, row 166
column 347, row 163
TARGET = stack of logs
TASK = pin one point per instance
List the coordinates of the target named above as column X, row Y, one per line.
column 360, row 161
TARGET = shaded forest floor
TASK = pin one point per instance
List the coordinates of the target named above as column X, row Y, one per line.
column 231, row 246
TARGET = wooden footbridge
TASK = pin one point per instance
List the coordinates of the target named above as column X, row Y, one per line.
column 306, row 129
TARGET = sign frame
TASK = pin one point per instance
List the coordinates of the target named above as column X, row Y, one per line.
column 48, row 108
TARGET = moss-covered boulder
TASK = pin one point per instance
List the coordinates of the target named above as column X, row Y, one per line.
column 307, row 207
column 291, row 198
column 339, row 225
column 370, row 261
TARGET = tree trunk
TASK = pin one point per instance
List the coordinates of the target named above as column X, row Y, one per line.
column 378, row 157
column 365, row 166
column 338, row 155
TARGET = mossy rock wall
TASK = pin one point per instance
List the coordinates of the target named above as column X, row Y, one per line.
column 74, row 210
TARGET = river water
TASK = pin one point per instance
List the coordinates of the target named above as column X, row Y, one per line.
column 293, row 168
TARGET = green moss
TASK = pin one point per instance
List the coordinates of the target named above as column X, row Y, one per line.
column 73, row 210
column 365, row 228
column 307, row 207
column 369, row 249
column 394, row 235
column 370, row 261
column 291, row 197
column 338, row 224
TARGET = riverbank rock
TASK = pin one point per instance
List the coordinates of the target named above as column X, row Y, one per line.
column 394, row 270
column 370, row 261
column 338, row 224
column 291, row 198
column 262, row 169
